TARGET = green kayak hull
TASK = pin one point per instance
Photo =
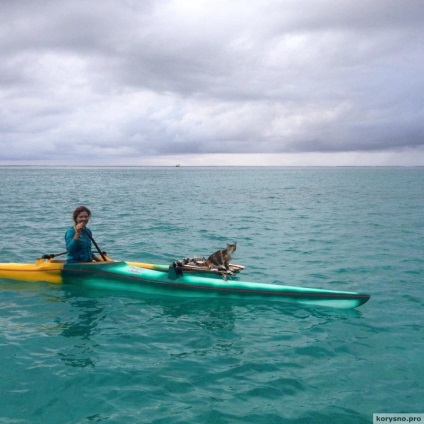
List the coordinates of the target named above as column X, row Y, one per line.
column 121, row 275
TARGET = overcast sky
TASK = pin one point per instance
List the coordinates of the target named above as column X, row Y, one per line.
column 236, row 82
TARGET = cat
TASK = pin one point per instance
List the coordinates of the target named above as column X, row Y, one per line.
column 221, row 258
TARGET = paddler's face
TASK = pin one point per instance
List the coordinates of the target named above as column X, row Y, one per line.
column 83, row 218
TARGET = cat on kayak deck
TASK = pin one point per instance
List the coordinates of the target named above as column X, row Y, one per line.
column 221, row 258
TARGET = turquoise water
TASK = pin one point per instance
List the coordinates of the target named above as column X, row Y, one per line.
column 75, row 355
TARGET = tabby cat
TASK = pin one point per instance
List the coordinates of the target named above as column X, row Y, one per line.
column 221, row 258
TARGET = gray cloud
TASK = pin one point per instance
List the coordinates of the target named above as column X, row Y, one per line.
column 128, row 79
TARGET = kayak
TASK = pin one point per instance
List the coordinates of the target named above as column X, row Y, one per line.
column 163, row 279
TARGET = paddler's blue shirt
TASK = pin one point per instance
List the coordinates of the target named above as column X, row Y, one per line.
column 78, row 250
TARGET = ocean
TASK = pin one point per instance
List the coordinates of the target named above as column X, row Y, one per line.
column 75, row 355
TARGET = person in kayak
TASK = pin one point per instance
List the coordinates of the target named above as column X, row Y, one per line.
column 78, row 244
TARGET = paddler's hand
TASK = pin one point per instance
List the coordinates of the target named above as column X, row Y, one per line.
column 78, row 228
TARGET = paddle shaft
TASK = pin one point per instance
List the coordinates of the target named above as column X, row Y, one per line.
column 95, row 244
column 51, row 256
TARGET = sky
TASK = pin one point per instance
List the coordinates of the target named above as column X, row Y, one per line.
column 210, row 83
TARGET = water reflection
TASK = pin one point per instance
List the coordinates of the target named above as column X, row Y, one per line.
column 209, row 315
column 80, row 327
column 221, row 322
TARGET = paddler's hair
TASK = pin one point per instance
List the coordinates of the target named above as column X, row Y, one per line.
column 78, row 210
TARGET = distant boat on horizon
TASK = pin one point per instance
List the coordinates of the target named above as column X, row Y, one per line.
column 177, row 165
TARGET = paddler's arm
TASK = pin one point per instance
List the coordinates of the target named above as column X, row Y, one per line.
column 71, row 240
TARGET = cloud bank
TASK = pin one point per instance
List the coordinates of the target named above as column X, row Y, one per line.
column 208, row 83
